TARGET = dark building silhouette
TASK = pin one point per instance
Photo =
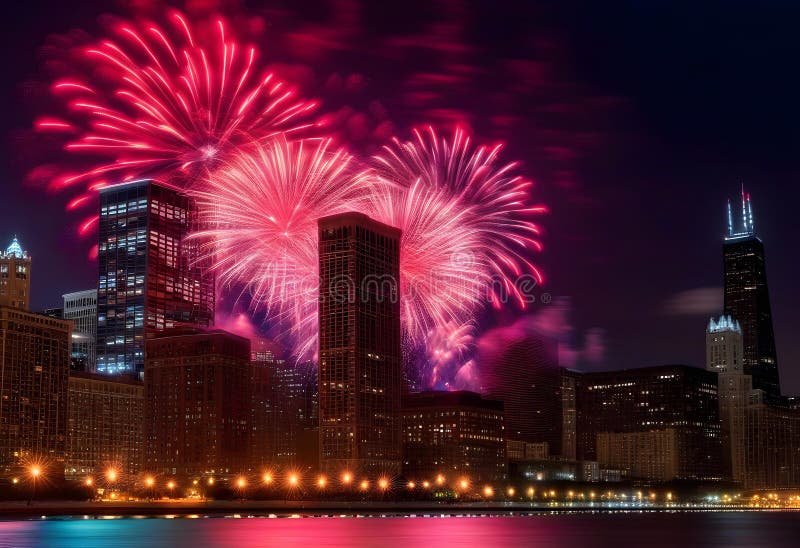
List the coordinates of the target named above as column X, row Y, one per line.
column 150, row 278
column 34, row 368
column 674, row 403
column 359, row 345
column 284, row 411
column 457, row 434
column 524, row 374
column 197, row 403
column 747, row 299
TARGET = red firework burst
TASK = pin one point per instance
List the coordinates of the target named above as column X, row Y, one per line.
column 169, row 105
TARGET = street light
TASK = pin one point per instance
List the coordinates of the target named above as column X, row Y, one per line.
column 364, row 485
column 321, row 481
column 267, row 477
column 170, row 486
column 347, row 478
column 293, row 480
column 440, row 479
column 35, row 471
column 488, row 491
column 383, row 483
column 464, row 484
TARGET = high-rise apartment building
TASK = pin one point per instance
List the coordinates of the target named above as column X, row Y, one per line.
column 15, row 276
column 359, row 345
column 197, row 403
column 105, row 429
column 34, row 367
column 459, row 435
column 150, row 275
column 746, row 299
column 81, row 308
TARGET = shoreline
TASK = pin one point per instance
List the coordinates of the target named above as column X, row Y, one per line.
column 19, row 509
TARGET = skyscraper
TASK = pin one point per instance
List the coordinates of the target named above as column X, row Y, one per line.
column 724, row 351
column 359, row 345
column 150, row 278
column 15, row 276
column 747, row 299
column 524, row 374
column 81, row 308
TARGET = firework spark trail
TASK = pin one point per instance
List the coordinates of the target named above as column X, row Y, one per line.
column 173, row 105
column 261, row 208
column 467, row 224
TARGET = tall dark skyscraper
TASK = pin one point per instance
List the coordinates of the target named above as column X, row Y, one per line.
column 149, row 275
column 359, row 345
column 524, row 374
column 747, row 299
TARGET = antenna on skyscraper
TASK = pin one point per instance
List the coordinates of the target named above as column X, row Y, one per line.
column 750, row 215
column 730, row 220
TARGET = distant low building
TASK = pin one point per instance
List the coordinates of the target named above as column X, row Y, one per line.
column 455, row 434
column 106, row 425
column 772, row 445
column 651, row 455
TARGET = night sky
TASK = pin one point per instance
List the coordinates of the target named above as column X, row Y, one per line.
column 637, row 120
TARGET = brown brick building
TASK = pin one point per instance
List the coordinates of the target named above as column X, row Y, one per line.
column 197, row 403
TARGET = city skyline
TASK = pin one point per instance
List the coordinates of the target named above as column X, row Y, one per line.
column 459, row 268
column 695, row 186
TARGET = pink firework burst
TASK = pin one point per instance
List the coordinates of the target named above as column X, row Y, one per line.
column 261, row 209
column 167, row 104
column 467, row 223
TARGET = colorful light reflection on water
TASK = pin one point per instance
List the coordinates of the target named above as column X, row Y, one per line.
column 580, row 529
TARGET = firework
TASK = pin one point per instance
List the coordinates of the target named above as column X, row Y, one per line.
column 261, row 209
column 168, row 105
column 467, row 224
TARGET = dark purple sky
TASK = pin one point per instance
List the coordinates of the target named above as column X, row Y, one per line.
column 637, row 121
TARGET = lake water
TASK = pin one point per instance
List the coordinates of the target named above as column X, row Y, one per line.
column 628, row 529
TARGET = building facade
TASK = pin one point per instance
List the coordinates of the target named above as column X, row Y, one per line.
column 724, row 351
column 284, row 410
column 648, row 399
column 15, row 276
column 34, row 367
column 456, row 434
column 150, row 275
column 359, row 345
column 81, row 308
column 651, row 455
column 197, row 403
column 746, row 299
column 772, row 445
column 105, row 425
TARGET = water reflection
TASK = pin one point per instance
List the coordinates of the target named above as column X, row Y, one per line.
column 672, row 530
